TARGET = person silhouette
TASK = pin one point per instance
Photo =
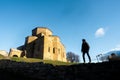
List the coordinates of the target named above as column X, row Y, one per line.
column 85, row 50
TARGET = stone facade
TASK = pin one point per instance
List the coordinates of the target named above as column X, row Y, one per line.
column 15, row 53
column 42, row 44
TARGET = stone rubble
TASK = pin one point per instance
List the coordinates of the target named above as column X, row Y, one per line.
column 39, row 71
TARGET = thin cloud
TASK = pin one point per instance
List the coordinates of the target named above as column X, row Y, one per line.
column 116, row 48
column 100, row 32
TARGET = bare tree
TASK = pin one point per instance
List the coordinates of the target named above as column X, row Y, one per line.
column 72, row 57
column 77, row 58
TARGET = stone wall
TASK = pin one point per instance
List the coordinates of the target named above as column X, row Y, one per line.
column 54, row 49
column 15, row 53
column 37, row 31
column 42, row 44
column 40, row 71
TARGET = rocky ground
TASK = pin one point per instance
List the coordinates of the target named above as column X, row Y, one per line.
column 39, row 71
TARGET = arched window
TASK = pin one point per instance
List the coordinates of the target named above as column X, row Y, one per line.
column 15, row 56
column 58, row 51
column 48, row 49
column 54, row 50
column 63, row 55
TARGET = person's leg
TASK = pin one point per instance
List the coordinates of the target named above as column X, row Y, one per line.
column 83, row 55
column 89, row 57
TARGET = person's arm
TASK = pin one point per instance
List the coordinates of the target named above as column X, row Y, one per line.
column 82, row 48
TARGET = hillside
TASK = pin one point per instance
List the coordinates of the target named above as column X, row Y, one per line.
column 39, row 71
column 2, row 57
column 32, row 60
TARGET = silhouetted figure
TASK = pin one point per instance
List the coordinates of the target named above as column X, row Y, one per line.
column 85, row 50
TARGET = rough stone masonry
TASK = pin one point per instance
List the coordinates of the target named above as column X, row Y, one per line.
column 43, row 45
column 40, row 71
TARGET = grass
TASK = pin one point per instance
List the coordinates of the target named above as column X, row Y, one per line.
column 31, row 60
column 1, row 56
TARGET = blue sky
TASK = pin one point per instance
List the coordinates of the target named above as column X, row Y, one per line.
column 98, row 21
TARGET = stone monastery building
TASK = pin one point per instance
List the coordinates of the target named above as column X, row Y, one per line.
column 43, row 45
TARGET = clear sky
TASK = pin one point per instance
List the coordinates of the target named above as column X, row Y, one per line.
column 98, row 21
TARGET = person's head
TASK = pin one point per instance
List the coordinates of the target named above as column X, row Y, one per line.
column 83, row 40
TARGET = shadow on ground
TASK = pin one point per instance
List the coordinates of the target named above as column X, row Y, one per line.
column 39, row 71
